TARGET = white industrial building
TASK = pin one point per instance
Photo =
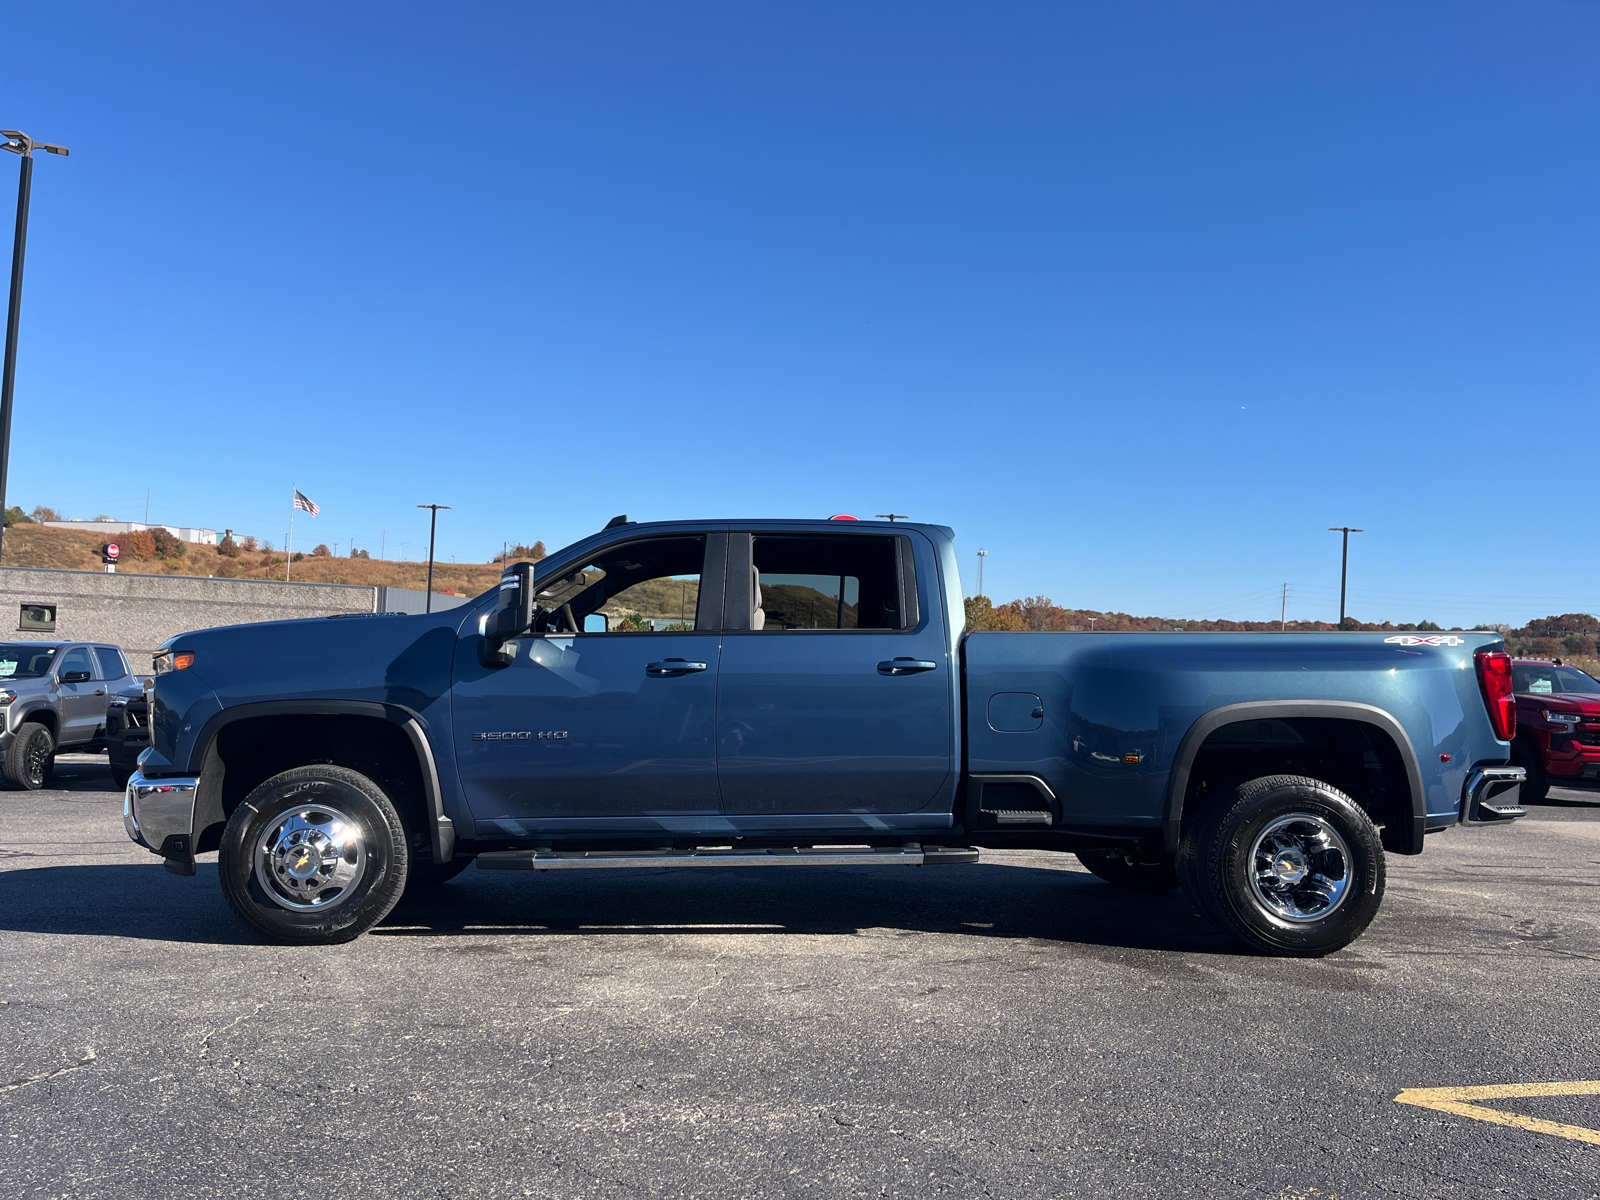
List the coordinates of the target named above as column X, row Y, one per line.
column 200, row 537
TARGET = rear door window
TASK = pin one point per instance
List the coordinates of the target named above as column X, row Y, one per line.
column 111, row 664
column 815, row 583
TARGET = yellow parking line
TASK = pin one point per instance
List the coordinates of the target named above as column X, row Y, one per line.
column 1453, row 1100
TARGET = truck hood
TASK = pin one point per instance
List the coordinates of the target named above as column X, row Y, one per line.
column 391, row 658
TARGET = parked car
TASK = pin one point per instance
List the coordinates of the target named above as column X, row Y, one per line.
column 53, row 696
column 804, row 693
column 127, row 734
column 1558, row 727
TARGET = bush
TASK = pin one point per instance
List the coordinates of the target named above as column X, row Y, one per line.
column 322, row 552
column 15, row 516
column 354, row 553
column 298, row 557
column 138, row 543
column 166, row 546
column 228, row 548
column 249, row 543
column 536, row 550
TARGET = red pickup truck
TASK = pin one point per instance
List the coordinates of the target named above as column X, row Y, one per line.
column 1558, row 727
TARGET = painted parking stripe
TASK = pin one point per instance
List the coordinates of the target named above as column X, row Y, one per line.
column 1454, row 1100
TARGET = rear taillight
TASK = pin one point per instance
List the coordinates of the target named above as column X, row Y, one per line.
column 1494, row 677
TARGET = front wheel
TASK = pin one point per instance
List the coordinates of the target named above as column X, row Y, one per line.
column 1289, row 865
column 30, row 758
column 314, row 856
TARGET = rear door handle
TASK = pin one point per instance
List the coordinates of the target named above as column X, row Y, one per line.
column 672, row 666
column 906, row 666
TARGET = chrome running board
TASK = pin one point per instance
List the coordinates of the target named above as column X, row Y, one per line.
column 553, row 860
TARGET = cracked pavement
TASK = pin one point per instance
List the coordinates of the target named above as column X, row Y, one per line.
column 1014, row 1029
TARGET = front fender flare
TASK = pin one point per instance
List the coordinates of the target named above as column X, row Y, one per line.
column 441, row 829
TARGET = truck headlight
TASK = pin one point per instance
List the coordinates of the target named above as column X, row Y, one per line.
column 6, row 696
column 1561, row 718
column 118, row 702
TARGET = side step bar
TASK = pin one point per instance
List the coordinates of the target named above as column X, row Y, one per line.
column 551, row 860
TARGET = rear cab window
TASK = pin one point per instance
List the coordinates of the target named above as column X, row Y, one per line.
column 838, row 582
column 110, row 662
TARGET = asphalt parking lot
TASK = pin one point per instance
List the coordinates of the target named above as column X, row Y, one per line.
column 1014, row 1029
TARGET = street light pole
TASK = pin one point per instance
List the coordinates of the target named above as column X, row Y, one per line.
column 21, row 144
column 433, row 525
column 1344, row 564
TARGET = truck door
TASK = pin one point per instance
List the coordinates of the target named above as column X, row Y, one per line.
column 608, row 709
column 835, row 694
column 82, row 699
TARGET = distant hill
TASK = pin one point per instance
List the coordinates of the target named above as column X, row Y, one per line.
column 74, row 550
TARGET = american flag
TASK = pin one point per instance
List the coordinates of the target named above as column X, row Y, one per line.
column 304, row 503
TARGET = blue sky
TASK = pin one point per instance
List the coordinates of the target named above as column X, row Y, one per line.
column 1139, row 297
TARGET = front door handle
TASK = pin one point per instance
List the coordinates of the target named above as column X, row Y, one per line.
column 906, row 666
column 672, row 666
column 99, row 691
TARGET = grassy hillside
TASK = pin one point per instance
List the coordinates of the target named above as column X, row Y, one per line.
column 72, row 550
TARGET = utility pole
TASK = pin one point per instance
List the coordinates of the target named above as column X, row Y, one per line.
column 982, row 554
column 433, row 525
column 18, row 143
column 1344, row 564
column 1283, row 616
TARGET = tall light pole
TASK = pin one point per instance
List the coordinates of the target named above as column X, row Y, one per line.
column 433, row 525
column 982, row 554
column 18, row 143
column 1344, row 564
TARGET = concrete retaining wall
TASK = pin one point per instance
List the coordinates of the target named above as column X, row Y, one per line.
column 139, row 612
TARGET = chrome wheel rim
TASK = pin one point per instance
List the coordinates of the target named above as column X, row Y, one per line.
column 310, row 858
column 1300, row 868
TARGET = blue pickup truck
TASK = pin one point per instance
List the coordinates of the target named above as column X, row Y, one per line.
column 805, row 693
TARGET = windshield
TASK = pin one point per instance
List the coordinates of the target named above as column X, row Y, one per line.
column 25, row 661
column 1546, row 679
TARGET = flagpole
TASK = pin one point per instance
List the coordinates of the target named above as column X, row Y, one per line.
column 288, row 555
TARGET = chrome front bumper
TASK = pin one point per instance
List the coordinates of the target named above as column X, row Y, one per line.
column 159, row 815
column 1491, row 795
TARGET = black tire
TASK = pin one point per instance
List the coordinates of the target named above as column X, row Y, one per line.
column 349, row 885
column 1131, row 872
column 1226, row 863
column 425, row 873
column 1536, row 788
column 121, row 774
column 30, row 759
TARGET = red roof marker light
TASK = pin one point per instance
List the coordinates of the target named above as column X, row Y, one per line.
column 843, row 517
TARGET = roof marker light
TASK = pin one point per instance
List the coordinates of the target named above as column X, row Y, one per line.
column 843, row 517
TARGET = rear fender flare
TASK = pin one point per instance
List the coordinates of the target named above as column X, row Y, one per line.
column 1338, row 710
column 441, row 829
